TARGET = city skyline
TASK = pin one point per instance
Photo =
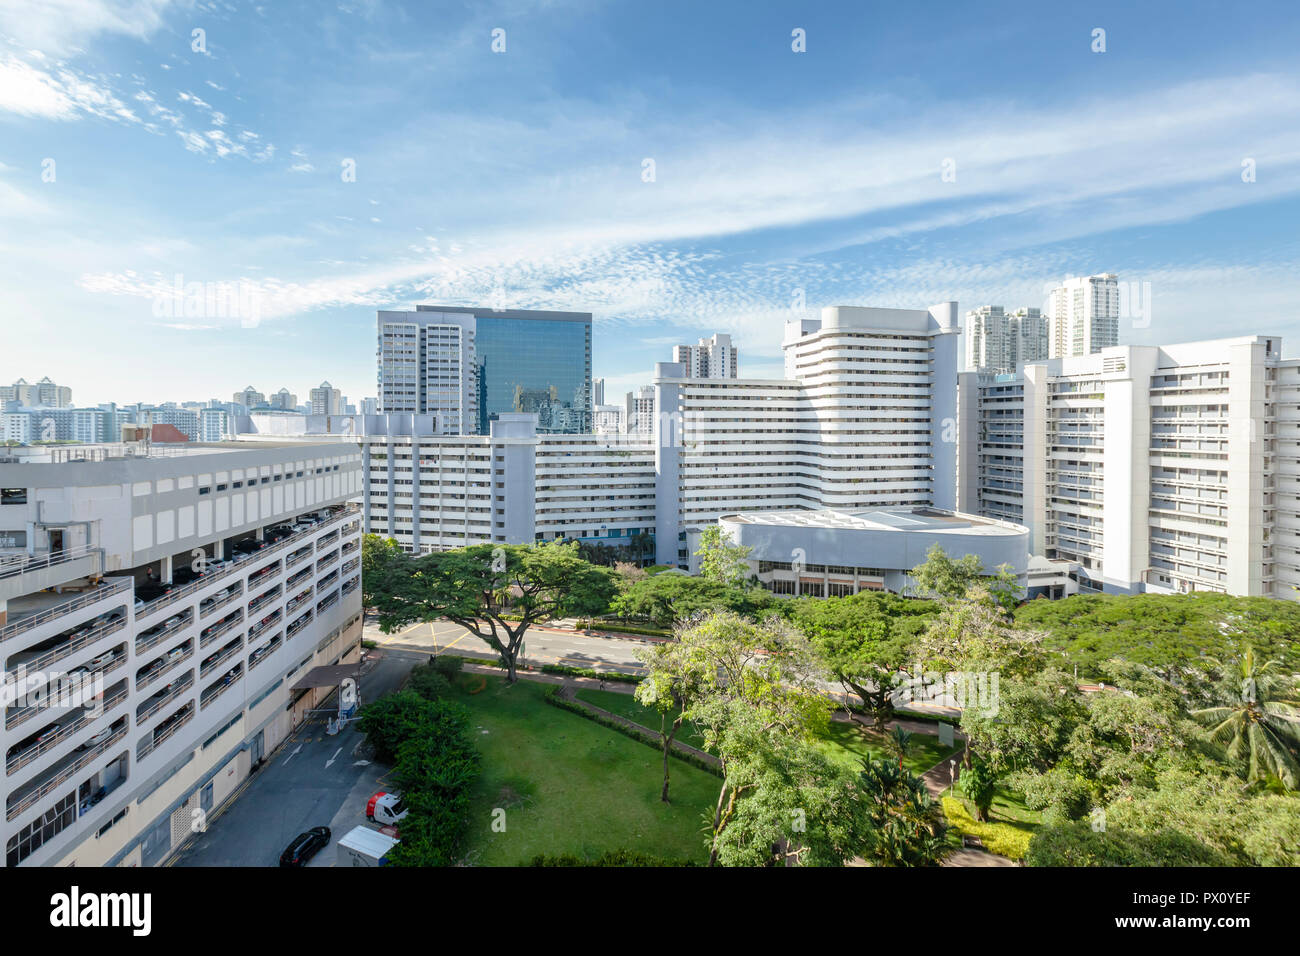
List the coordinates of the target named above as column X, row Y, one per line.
column 238, row 176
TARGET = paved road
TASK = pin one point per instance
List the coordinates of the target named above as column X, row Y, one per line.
column 313, row 779
column 541, row 646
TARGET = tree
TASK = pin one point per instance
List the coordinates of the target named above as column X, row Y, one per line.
column 971, row 635
column 1258, row 726
column 754, row 693
column 672, row 682
column 496, row 592
column 906, row 826
column 940, row 577
column 377, row 556
column 899, row 743
column 978, row 782
column 668, row 598
column 721, row 560
column 865, row 639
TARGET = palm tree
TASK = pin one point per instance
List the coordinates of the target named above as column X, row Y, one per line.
column 899, row 743
column 1257, row 724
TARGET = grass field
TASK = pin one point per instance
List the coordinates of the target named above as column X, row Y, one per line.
column 845, row 743
column 568, row 785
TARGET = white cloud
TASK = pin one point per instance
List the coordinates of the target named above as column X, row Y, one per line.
column 61, row 26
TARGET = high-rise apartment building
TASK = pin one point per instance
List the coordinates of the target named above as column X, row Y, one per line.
column 1083, row 313
column 639, row 411
column 44, row 394
column 714, row 357
column 467, row 366
column 998, row 342
column 283, row 400
column 608, row 419
column 1153, row 468
column 326, row 400
column 250, row 398
column 141, row 703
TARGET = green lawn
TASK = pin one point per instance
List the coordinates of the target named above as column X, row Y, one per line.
column 850, row 744
column 569, row 785
column 847, row 744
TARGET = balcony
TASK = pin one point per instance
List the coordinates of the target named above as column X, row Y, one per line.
column 54, row 612
column 163, row 698
column 165, row 731
column 17, row 759
column 213, row 661
column 28, row 798
column 194, row 586
column 223, row 626
column 163, row 666
column 215, row 690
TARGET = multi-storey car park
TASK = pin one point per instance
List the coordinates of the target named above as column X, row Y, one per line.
column 157, row 607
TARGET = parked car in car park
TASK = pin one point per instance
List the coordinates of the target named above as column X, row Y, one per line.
column 97, row 738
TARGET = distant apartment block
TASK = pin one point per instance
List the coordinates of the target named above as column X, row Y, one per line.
column 1083, row 314
column 998, row 342
column 714, row 357
column 43, row 394
column 326, row 400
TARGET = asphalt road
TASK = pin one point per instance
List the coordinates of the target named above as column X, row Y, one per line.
column 312, row 780
column 541, row 646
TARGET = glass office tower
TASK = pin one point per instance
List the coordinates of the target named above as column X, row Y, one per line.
column 465, row 366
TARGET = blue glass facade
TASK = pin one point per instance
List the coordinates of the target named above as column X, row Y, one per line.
column 537, row 364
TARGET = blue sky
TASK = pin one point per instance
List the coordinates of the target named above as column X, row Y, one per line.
column 516, row 177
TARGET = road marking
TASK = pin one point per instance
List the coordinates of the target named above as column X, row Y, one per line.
column 335, row 757
column 292, row 755
column 412, row 628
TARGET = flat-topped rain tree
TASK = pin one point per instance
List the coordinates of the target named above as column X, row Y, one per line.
column 495, row 592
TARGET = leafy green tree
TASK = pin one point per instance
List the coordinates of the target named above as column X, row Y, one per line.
column 671, row 684
column 1257, row 720
column 785, row 801
column 971, row 635
column 866, row 639
column 750, row 689
column 1177, row 635
column 946, row 579
column 899, row 743
column 668, row 598
column 721, row 560
column 496, row 592
column 377, row 556
column 978, row 782
column 906, row 825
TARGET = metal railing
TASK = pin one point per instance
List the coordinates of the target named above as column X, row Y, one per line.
column 220, row 628
column 212, row 695
column 60, row 610
column 298, row 600
column 74, row 645
column 11, row 566
column 27, row 800
column 20, row 760
column 263, row 600
column 257, row 629
column 186, row 590
column 18, row 717
column 143, row 644
column 144, row 680
column 263, row 652
column 221, row 658
column 223, row 601
column 148, row 710
column 147, row 747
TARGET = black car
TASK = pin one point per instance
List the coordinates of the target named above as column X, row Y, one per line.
column 277, row 534
column 248, row 546
column 151, row 590
column 305, row 846
column 185, row 576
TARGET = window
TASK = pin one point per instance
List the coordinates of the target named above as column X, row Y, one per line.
column 238, row 484
column 221, row 487
column 13, row 496
column 205, row 491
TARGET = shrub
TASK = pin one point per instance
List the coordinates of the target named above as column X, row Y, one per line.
column 1077, row 844
column 428, row 682
column 1000, row 838
column 609, row 858
column 591, row 672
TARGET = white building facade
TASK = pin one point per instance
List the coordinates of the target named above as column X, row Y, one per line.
column 127, row 710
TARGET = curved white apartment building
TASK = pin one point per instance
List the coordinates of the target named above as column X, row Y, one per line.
column 132, row 700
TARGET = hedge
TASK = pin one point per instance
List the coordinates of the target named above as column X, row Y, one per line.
column 553, row 697
column 591, row 672
column 1000, row 838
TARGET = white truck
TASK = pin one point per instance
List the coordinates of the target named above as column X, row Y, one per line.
column 363, row 846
